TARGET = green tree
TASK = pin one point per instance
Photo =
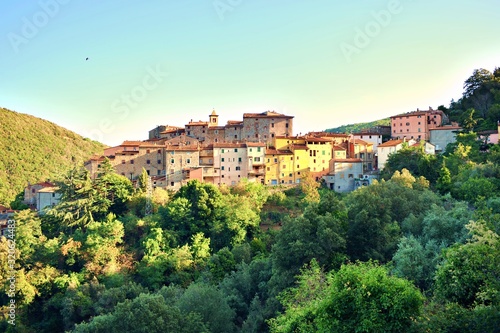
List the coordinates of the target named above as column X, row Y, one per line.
column 146, row 313
column 357, row 298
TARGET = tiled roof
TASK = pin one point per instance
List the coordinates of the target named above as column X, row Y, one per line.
column 272, row 151
column 131, row 143
column 362, row 142
column 48, row 190
column 234, row 122
column 267, row 114
column 300, row 147
column 444, row 128
column 390, row 143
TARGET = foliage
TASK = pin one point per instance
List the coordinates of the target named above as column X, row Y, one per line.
column 355, row 128
column 360, row 297
column 34, row 150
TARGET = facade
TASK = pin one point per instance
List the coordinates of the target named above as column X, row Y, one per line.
column 343, row 174
column 265, row 126
column 371, row 137
column 236, row 161
column 416, row 125
column 442, row 136
column 47, row 197
column 389, row 147
column 31, row 191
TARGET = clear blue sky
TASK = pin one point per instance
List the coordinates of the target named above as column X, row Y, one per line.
column 326, row 62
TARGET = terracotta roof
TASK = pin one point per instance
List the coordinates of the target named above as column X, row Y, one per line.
column 45, row 184
column 211, row 128
column 314, row 139
column 234, row 122
column 418, row 113
column 229, row 145
column 300, row 147
column 267, row 114
column 362, row 142
column 131, row 143
column 390, row 143
column 272, row 151
column 49, row 189
column 337, row 147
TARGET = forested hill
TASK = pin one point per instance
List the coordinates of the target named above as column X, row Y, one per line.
column 360, row 126
column 33, row 149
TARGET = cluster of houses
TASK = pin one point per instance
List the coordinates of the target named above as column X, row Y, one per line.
column 262, row 148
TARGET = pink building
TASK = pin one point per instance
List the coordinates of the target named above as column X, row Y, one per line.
column 416, row 124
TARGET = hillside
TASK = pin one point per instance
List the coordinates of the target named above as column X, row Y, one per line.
column 359, row 126
column 33, row 149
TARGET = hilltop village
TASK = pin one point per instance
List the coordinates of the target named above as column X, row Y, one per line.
column 263, row 148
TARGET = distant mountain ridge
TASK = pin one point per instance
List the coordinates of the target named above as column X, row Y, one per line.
column 358, row 127
column 34, row 149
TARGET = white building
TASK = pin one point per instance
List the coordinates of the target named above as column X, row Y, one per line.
column 47, row 197
column 236, row 161
column 389, row 147
column 343, row 174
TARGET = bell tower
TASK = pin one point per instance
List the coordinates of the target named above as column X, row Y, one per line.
column 214, row 119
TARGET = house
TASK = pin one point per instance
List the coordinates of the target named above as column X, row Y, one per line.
column 236, row 161
column 47, row 197
column 343, row 174
column 389, row 147
column 440, row 137
column 374, row 138
column 416, row 124
column 265, row 126
column 31, row 191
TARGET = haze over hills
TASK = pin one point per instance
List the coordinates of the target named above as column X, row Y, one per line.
column 33, row 149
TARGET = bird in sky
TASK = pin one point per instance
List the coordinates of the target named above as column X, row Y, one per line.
column 86, row 59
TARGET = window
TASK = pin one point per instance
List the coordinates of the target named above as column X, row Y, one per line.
column 131, row 161
column 159, row 151
column 258, row 149
column 419, row 129
column 238, row 168
column 298, row 158
column 275, row 160
column 298, row 166
column 291, row 158
column 148, row 161
column 268, row 168
column 159, row 172
column 239, row 159
column 286, row 125
column 172, row 160
column 323, row 153
column 222, row 151
column 407, row 124
column 148, row 151
column 272, row 125
column 171, row 183
column 272, row 135
column 159, row 161
column 147, row 172
column 188, row 161
column 235, row 136
column 250, row 149
column 257, row 159
column 222, row 159
column 235, row 150
column 284, row 166
column 123, row 161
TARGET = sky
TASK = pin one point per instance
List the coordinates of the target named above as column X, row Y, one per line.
column 113, row 70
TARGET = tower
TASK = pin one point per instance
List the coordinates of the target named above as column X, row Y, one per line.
column 214, row 119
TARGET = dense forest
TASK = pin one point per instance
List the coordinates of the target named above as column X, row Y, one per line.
column 417, row 251
column 35, row 150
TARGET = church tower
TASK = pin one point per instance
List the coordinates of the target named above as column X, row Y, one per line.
column 214, row 119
